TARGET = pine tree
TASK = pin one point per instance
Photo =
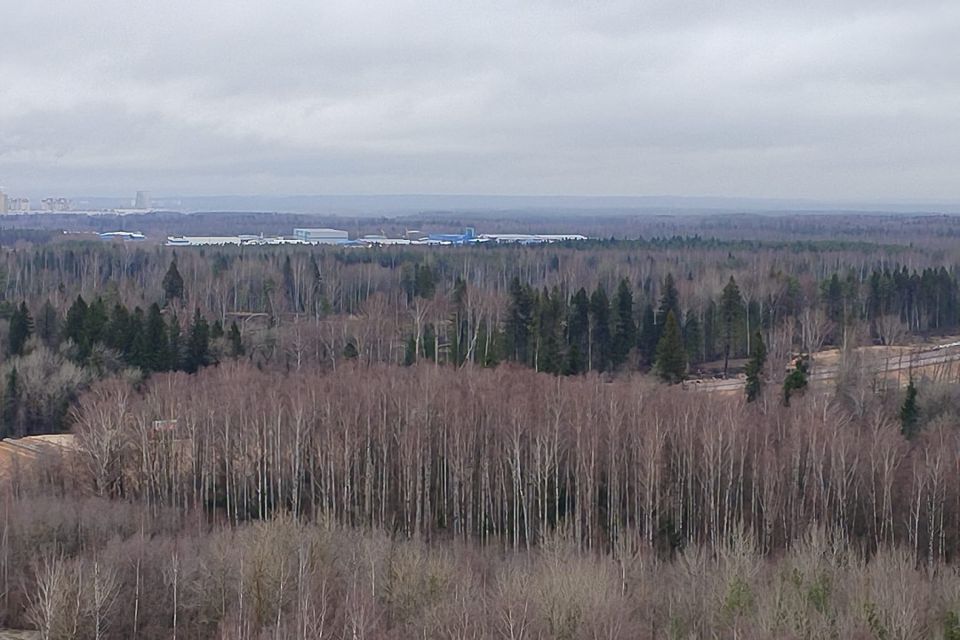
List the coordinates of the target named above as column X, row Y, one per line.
column 625, row 327
column 648, row 336
column 424, row 282
column 693, row 337
column 235, row 340
column 460, row 335
column 578, row 332
column 118, row 334
column 669, row 301
column 795, row 381
column 520, row 323
column 75, row 327
column 601, row 345
column 910, row 412
column 95, row 322
column 21, row 328
column 754, row 368
column 290, row 286
column 47, row 324
column 549, row 338
column 216, row 330
column 157, row 356
column 410, row 352
column 174, row 345
column 350, row 351
column 198, row 344
column 173, row 283
column 671, row 359
column 731, row 312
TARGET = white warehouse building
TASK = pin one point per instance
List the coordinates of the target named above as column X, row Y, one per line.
column 320, row 236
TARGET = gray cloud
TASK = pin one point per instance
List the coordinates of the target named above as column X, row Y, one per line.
column 845, row 99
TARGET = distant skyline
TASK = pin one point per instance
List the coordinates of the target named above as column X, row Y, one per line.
column 827, row 101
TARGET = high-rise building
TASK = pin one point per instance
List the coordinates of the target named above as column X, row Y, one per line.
column 142, row 201
column 3, row 202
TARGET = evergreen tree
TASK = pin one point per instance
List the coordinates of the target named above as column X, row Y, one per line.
column 95, row 322
column 429, row 342
column 578, row 332
column 118, row 333
column 424, row 281
column 410, row 352
column 625, row 327
column 669, row 301
column 157, row 356
column 139, row 353
column 648, row 335
column 549, row 352
column 175, row 345
column 754, row 368
column 910, row 412
column 290, row 286
column 795, row 381
column 460, row 335
column 11, row 405
column 520, row 323
column 21, row 328
column 350, row 351
column 731, row 312
column 671, row 359
column 235, row 341
column 601, row 344
column 216, row 330
column 75, row 326
column 710, row 331
column 173, row 283
column 198, row 344
column 47, row 324
column 693, row 337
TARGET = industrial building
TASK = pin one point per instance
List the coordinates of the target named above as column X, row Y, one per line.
column 321, row 236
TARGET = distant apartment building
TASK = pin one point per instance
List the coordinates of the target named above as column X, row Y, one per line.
column 320, row 236
column 18, row 205
column 56, row 204
column 3, row 202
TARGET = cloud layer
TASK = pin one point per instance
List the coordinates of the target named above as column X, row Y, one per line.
column 842, row 100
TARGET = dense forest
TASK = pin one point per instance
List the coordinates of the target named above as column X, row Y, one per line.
column 484, row 442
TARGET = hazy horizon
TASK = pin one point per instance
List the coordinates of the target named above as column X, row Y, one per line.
column 849, row 101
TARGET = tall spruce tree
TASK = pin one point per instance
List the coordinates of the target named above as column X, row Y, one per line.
column 235, row 340
column 157, row 356
column 601, row 344
column 578, row 332
column 795, row 381
column 669, row 302
column 198, row 344
column 625, row 327
column 47, row 324
column 173, row 283
column 731, row 314
column 671, row 358
column 520, row 323
column 754, row 369
column 910, row 412
column 21, row 328
column 692, row 337
column 648, row 335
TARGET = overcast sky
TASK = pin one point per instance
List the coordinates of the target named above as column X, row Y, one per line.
column 826, row 99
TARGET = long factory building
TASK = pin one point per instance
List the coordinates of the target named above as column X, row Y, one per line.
column 339, row 237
